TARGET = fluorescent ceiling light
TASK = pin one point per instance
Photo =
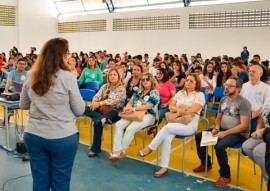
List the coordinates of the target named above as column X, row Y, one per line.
column 141, row 8
column 199, row 3
column 83, row 13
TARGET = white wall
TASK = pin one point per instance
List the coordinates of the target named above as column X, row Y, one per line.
column 209, row 42
column 36, row 22
column 8, row 34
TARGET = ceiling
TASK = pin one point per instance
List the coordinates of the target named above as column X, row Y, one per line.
column 66, row 7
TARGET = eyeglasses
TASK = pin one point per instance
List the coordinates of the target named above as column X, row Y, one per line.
column 20, row 63
column 145, row 79
column 228, row 85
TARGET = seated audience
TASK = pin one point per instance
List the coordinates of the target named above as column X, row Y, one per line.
column 84, row 60
column 147, row 100
column 254, row 147
column 188, row 101
column 224, row 74
column 231, row 127
column 256, row 92
column 72, row 65
column 165, row 66
column 132, row 85
column 18, row 75
column 110, row 94
column 198, row 70
column 126, row 75
column 178, row 79
column 154, row 67
column 208, row 78
column 167, row 92
column 266, row 139
column 191, row 69
column 92, row 73
column 242, row 74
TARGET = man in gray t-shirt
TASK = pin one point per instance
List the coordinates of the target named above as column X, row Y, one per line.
column 231, row 111
column 231, row 127
column 18, row 75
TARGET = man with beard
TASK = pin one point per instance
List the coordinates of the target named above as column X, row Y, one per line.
column 231, row 127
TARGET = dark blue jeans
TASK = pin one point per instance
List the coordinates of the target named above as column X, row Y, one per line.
column 253, row 125
column 98, row 130
column 51, row 161
column 221, row 153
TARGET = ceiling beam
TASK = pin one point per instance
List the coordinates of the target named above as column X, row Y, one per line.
column 109, row 4
column 186, row 2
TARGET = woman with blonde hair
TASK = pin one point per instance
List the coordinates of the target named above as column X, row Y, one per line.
column 111, row 94
column 146, row 99
column 51, row 94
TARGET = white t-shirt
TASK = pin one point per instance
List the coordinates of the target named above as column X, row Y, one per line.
column 256, row 95
column 213, row 81
column 153, row 71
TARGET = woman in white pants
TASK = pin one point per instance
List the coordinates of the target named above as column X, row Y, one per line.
column 188, row 101
column 146, row 99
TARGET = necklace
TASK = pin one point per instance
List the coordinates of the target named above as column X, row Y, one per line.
column 132, row 83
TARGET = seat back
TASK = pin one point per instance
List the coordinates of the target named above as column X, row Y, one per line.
column 87, row 94
column 203, row 90
column 218, row 92
column 93, row 86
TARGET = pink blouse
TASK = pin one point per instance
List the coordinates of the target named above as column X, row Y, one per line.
column 164, row 91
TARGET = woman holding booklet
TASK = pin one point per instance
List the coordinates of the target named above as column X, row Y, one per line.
column 187, row 102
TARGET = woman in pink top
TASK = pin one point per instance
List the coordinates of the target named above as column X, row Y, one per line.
column 166, row 92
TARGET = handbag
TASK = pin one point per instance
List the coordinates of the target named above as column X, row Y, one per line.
column 105, row 109
column 134, row 116
column 172, row 117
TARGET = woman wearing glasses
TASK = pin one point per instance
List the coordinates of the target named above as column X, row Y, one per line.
column 146, row 99
column 188, row 101
column 114, row 94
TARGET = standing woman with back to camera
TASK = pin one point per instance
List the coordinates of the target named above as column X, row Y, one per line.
column 51, row 93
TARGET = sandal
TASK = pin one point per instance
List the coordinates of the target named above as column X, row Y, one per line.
column 92, row 154
column 143, row 154
column 159, row 174
column 115, row 157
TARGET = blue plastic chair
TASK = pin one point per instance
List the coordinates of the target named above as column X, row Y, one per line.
column 87, row 96
column 93, row 86
column 184, row 137
column 238, row 147
column 154, row 125
column 203, row 90
column 218, row 93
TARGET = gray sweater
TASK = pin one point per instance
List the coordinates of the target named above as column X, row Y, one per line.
column 53, row 115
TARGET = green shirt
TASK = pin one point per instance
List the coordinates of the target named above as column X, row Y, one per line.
column 88, row 75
